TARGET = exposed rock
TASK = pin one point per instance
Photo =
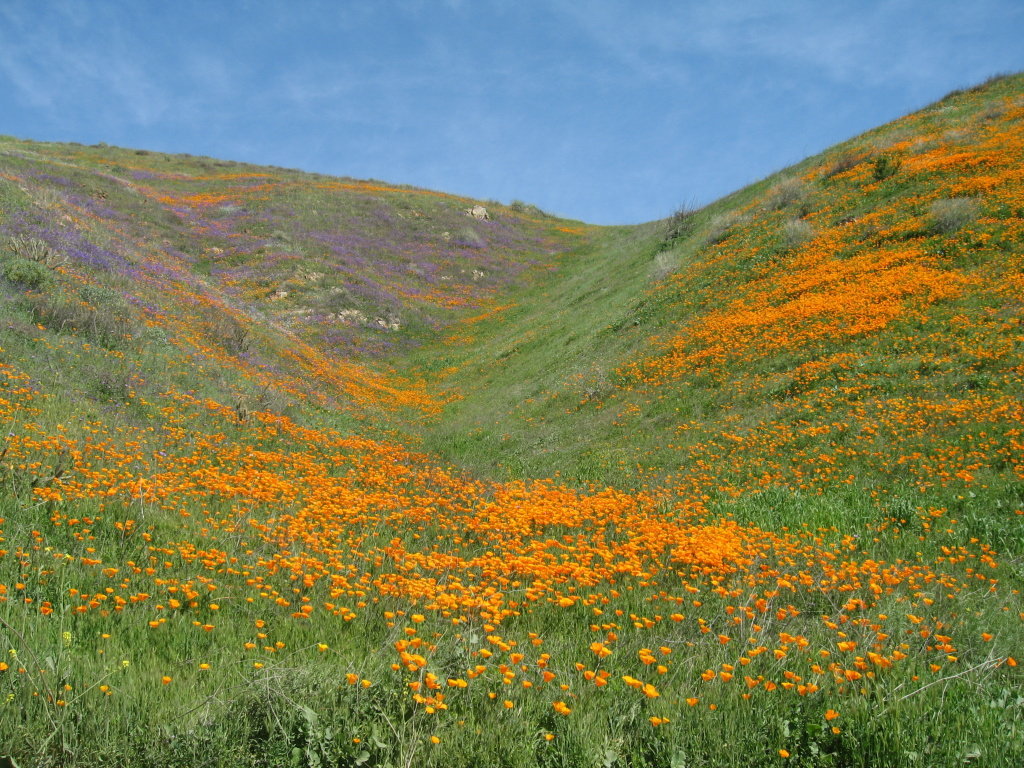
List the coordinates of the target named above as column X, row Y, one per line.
column 478, row 212
column 351, row 316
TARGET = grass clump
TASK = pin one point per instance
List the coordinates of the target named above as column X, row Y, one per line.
column 722, row 225
column 35, row 249
column 681, row 223
column 95, row 312
column 796, row 232
column 785, row 194
column 951, row 215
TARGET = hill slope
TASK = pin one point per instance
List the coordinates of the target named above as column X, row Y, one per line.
column 301, row 470
column 852, row 321
column 283, row 278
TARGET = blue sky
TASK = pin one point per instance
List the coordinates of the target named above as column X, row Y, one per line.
column 609, row 112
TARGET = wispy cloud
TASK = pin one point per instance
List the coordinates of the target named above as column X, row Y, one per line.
column 864, row 43
column 76, row 55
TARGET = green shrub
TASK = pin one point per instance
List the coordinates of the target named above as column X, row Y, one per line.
column 527, row 209
column 886, row 166
column 26, row 274
column 156, row 338
column 105, row 298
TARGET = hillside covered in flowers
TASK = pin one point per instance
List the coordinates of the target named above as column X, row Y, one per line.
column 300, row 470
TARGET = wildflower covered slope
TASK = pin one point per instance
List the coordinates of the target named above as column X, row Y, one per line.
column 851, row 323
column 300, row 285
column 313, row 471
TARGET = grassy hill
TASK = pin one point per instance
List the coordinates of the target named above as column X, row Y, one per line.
column 301, row 470
column 765, row 308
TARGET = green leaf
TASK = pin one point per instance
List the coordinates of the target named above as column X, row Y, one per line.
column 310, row 715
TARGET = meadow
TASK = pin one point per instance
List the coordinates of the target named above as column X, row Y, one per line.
column 310, row 471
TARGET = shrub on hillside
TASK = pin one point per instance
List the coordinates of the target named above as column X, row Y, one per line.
column 34, row 249
column 681, row 223
column 97, row 313
column 952, row 214
column 844, row 163
column 156, row 338
column 26, row 274
column 786, row 193
column 886, row 166
column 233, row 334
column 525, row 208
column 721, row 226
column 665, row 263
column 796, row 232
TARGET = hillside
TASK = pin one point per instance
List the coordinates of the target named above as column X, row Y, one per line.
column 836, row 293
column 317, row 471
column 258, row 270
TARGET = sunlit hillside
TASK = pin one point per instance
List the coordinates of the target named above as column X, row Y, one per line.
column 310, row 471
column 868, row 290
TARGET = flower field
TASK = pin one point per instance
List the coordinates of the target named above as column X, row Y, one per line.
column 309, row 471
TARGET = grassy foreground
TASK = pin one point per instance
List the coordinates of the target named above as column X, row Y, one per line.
column 275, row 447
